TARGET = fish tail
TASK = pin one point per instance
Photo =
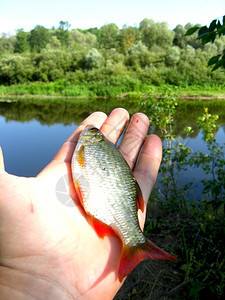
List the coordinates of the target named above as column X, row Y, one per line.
column 132, row 255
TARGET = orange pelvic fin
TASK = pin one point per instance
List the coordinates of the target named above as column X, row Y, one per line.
column 101, row 228
column 140, row 200
column 131, row 256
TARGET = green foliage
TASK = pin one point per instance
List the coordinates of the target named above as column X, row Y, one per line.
column 138, row 56
column 7, row 44
column 128, row 37
column 80, row 40
column 156, row 34
column 209, row 34
column 196, row 229
column 39, row 37
column 52, row 64
column 213, row 163
column 175, row 154
column 108, row 36
column 62, row 33
column 93, row 59
column 21, row 44
column 173, row 56
column 15, row 68
column 151, row 54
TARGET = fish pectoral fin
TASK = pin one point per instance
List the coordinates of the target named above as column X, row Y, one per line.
column 78, row 191
column 80, row 156
column 101, row 228
column 140, row 200
column 132, row 255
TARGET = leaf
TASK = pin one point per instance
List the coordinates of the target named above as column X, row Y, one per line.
column 219, row 64
column 213, row 60
column 218, row 26
column 203, row 29
column 221, row 31
column 200, row 36
column 191, row 30
column 223, row 20
column 212, row 26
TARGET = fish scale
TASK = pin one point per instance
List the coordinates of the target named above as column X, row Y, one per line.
column 110, row 194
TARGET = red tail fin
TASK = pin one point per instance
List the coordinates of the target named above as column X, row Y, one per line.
column 131, row 256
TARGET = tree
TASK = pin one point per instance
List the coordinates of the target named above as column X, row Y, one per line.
column 7, row 43
column 39, row 37
column 21, row 44
column 209, row 34
column 138, row 55
column 54, row 43
column 156, row 34
column 15, row 68
column 108, row 36
column 173, row 57
column 179, row 39
column 52, row 64
column 80, row 40
column 128, row 37
column 93, row 59
column 62, row 32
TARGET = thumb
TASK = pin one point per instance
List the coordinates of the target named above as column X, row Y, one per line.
column 2, row 166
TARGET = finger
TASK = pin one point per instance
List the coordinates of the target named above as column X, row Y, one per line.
column 66, row 151
column 114, row 125
column 147, row 167
column 2, row 166
column 134, row 138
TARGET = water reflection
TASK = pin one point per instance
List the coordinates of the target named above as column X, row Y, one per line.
column 68, row 111
column 32, row 131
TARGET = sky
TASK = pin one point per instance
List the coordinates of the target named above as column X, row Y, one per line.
column 83, row 14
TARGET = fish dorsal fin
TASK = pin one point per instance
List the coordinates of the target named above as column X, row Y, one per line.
column 140, row 200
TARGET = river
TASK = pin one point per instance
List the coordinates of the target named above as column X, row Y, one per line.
column 32, row 130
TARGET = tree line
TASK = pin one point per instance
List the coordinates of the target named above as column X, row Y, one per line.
column 150, row 53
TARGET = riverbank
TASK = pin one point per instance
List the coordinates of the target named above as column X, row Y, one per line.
column 99, row 89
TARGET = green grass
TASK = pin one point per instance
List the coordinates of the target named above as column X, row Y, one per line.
column 109, row 88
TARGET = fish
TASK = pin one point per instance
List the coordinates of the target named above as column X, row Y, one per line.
column 111, row 197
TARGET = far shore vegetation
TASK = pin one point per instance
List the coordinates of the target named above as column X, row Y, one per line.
column 109, row 61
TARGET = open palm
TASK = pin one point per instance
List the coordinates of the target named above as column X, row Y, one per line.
column 49, row 250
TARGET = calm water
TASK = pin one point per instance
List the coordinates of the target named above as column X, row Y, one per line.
column 31, row 132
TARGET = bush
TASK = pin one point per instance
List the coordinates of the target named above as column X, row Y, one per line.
column 15, row 68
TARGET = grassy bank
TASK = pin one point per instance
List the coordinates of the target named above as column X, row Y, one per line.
column 110, row 89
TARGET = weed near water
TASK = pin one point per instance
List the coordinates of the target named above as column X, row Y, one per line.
column 191, row 231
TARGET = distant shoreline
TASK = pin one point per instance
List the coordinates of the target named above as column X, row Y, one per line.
column 59, row 90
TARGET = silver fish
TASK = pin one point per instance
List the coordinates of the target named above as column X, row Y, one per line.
column 111, row 195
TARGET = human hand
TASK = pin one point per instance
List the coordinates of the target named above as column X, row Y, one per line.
column 50, row 251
